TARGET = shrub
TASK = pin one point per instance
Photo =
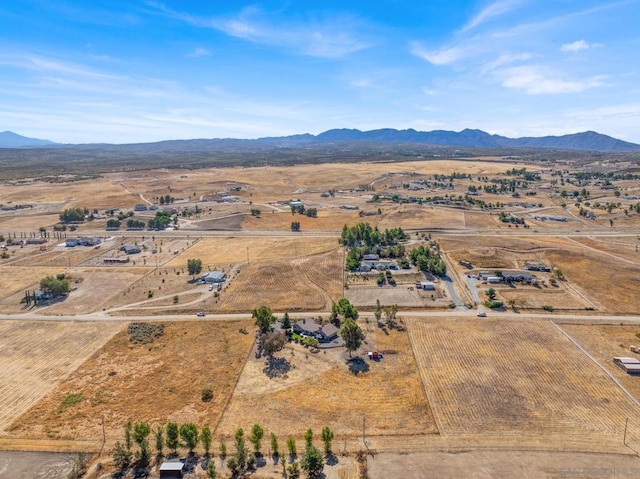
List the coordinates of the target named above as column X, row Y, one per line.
column 207, row 394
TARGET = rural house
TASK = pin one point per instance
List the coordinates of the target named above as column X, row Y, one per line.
column 214, row 277
column 130, row 249
column 310, row 327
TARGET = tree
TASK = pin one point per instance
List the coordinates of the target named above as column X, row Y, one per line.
column 294, row 471
column 72, row 215
column 291, row 447
column 491, row 293
column 189, row 434
column 327, row 437
column 285, row 322
column 345, row 308
column 256, row 438
column 295, row 226
column 121, row 456
column 241, row 450
column 390, row 313
column 351, row 334
column 312, row 462
column 205, row 438
column 141, row 431
column 308, row 437
column 274, row 444
column 274, row 342
column 377, row 312
column 173, row 437
column 55, row 286
column 194, row 266
column 158, row 433
column 264, row 318
column 211, row 470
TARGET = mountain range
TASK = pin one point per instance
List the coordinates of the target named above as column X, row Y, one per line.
column 468, row 138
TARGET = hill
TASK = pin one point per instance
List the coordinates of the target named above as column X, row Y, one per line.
column 9, row 139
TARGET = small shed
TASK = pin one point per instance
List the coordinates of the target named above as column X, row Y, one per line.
column 171, row 470
column 427, row 285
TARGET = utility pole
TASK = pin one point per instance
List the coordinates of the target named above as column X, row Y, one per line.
column 626, row 423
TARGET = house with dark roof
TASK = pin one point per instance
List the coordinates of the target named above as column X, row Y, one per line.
column 310, row 327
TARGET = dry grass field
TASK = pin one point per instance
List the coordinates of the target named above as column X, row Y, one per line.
column 608, row 281
column 304, row 284
column 157, row 382
column 37, row 355
column 510, row 379
column 319, row 391
column 231, row 250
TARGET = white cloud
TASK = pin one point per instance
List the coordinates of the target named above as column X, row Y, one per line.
column 199, row 52
column 331, row 37
column 506, row 59
column 537, row 80
column 486, row 14
column 577, row 46
column 444, row 56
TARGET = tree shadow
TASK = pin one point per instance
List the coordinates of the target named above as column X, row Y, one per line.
column 331, row 459
column 276, row 367
column 358, row 365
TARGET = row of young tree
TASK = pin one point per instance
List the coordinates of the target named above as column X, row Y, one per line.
column 174, row 436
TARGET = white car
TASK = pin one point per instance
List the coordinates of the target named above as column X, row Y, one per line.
column 481, row 314
column 200, row 314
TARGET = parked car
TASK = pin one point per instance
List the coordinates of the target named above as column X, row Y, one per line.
column 481, row 314
column 200, row 314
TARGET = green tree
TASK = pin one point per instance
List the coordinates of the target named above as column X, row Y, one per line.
column 121, row 456
column 294, row 471
column 241, row 449
column 344, row 308
column 55, row 286
column 141, row 431
column 264, row 318
column 205, row 438
column 194, row 266
column 274, row 444
column 285, row 322
column 211, row 470
column 312, row 462
column 491, row 293
column 189, row 434
column 377, row 312
column 173, row 437
column 308, row 437
column 158, row 433
column 256, row 438
column 72, row 215
column 291, row 447
column 327, row 437
column 351, row 334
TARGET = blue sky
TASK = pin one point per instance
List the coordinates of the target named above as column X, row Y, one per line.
column 122, row 71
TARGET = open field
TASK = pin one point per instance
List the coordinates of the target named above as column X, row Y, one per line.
column 510, row 379
column 36, row 356
column 319, row 390
column 608, row 282
column 224, row 251
column 304, row 284
column 157, row 382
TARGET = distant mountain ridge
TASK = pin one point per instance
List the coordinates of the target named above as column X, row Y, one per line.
column 468, row 138
column 585, row 141
column 9, row 139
